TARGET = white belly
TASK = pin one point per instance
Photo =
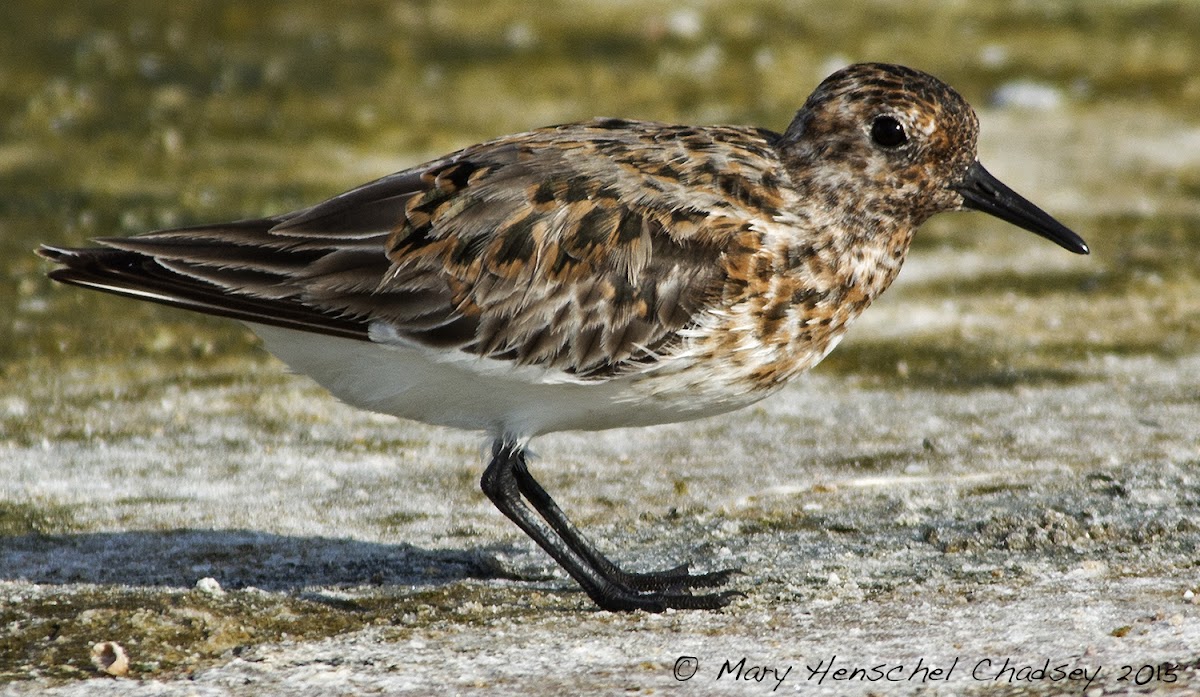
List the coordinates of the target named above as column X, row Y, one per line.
column 453, row 389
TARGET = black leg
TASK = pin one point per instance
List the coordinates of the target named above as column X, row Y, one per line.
column 507, row 478
column 676, row 578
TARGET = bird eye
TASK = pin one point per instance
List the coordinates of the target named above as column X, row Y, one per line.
column 888, row 132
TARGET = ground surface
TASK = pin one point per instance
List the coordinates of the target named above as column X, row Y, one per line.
column 996, row 474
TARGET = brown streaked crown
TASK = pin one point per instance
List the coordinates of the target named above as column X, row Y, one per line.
column 829, row 144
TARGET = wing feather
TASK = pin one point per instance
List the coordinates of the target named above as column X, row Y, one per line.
column 584, row 248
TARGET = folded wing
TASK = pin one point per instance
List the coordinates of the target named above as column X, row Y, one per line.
column 577, row 248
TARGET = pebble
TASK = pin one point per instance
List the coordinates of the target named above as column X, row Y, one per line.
column 209, row 586
column 110, row 657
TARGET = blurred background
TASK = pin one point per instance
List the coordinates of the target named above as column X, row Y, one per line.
column 120, row 117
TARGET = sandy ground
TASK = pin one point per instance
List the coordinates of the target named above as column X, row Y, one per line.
column 1045, row 527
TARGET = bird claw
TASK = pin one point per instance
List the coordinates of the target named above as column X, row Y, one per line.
column 674, row 579
column 661, row 602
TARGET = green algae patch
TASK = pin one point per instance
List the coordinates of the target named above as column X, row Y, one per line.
column 49, row 633
column 941, row 362
column 23, row 518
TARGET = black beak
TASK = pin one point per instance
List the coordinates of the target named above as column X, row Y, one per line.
column 983, row 192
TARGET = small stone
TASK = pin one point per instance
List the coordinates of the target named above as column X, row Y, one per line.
column 209, row 586
column 110, row 657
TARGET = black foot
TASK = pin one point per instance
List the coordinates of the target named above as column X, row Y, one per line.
column 675, row 579
column 661, row 602
column 509, row 484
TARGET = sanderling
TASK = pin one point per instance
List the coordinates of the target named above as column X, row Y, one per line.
column 592, row 275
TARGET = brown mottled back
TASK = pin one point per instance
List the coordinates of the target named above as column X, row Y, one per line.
column 584, row 247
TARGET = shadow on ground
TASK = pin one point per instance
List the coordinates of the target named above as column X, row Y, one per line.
column 236, row 558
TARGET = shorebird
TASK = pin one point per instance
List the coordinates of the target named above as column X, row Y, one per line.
column 592, row 275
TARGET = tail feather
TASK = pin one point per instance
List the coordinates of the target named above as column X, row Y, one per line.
column 201, row 287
